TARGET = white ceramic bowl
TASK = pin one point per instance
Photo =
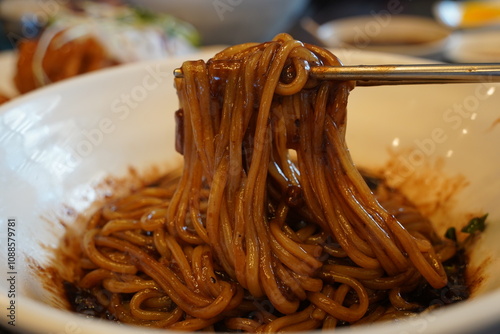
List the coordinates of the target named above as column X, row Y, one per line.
column 384, row 32
column 232, row 22
column 58, row 145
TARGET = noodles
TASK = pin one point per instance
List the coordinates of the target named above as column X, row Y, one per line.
column 249, row 238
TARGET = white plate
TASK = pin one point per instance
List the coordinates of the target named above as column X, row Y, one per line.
column 474, row 46
column 384, row 32
column 61, row 141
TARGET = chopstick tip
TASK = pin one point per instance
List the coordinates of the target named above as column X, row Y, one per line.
column 178, row 73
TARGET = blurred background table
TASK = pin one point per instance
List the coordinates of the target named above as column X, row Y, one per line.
column 320, row 10
column 226, row 22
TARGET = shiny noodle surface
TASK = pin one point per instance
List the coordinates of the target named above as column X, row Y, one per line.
column 269, row 226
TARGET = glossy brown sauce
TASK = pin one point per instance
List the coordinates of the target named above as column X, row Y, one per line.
column 84, row 302
column 58, row 276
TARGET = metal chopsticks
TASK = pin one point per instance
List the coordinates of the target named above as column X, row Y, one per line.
column 376, row 75
column 370, row 75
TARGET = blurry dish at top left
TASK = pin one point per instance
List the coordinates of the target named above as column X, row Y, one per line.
column 85, row 36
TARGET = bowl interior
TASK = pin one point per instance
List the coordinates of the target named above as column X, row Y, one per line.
column 69, row 145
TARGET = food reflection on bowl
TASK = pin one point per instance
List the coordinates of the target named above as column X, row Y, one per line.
column 57, row 155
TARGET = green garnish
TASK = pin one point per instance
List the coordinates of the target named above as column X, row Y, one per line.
column 451, row 234
column 477, row 224
column 145, row 15
column 171, row 25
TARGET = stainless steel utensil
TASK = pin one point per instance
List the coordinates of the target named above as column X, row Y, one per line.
column 376, row 75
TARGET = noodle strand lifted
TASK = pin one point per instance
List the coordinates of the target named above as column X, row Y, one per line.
column 270, row 226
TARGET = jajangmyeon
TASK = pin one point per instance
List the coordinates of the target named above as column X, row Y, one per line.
column 269, row 226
